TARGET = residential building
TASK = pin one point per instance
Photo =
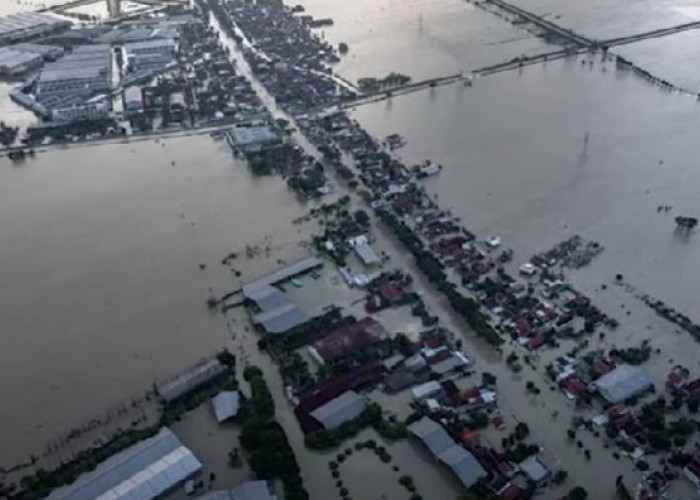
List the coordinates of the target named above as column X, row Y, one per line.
column 347, row 339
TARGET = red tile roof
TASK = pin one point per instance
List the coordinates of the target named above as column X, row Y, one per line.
column 390, row 291
column 349, row 338
column 536, row 341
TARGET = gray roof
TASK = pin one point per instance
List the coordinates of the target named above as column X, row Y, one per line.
column 339, row 410
column 141, row 472
column 244, row 136
column 433, row 435
column 226, row 405
column 443, row 447
column 534, row 469
column 289, row 271
column 251, row 490
column 198, row 375
column 281, row 319
column 463, row 464
column 623, row 382
column 367, row 254
column 447, row 365
column 267, row 298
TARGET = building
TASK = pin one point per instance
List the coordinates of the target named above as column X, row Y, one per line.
column 14, row 62
column 285, row 273
column 534, row 469
column 250, row 490
column 149, row 55
column 347, row 339
column 145, row 470
column 622, row 383
column 93, row 109
column 280, row 319
column 427, row 390
column 364, row 250
column 114, row 8
column 339, row 410
column 200, row 374
column 133, row 98
column 252, row 138
column 462, row 463
column 226, row 405
column 27, row 25
column 76, row 78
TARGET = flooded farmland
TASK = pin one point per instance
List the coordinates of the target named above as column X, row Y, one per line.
column 103, row 247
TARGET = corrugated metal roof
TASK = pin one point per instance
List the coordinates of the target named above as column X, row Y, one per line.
column 433, row 435
column 463, row 464
column 267, row 298
column 281, row 319
column 250, row 490
column 339, row 410
column 141, row 472
column 622, row 383
column 289, row 271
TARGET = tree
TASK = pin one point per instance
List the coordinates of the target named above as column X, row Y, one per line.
column 488, row 379
column 521, row 431
column 578, row 493
column 560, row 476
column 259, row 166
column 362, row 218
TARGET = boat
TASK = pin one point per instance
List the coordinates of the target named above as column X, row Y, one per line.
column 297, row 283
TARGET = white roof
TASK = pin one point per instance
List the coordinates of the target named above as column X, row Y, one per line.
column 198, row 375
column 289, row 271
column 367, row 254
column 433, row 435
column 339, row 410
column 534, row 469
column 226, row 405
column 281, row 319
column 426, row 390
column 623, row 382
column 141, row 472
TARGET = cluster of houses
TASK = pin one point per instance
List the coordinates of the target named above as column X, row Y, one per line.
column 289, row 59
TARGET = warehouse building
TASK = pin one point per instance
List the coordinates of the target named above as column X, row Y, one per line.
column 85, row 72
column 14, row 62
column 27, row 25
column 339, row 410
column 462, row 463
column 622, row 383
column 145, row 470
column 250, row 490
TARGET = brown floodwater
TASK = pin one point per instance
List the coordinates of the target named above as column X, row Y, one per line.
column 100, row 256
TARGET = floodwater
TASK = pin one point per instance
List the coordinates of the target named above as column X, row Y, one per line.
column 100, row 257
column 8, row 7
column 419, row 38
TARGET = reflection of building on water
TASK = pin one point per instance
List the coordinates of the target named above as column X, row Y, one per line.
column 114, row 7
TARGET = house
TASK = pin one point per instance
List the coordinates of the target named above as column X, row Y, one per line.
column 535, row 342
column 133, row 98
column 347, row 339
column 677, row 379
column 427, row 390
column 364, row 250
column 692, row 472
column 534, row 469
column 226, row 405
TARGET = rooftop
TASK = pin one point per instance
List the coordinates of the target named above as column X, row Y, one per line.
column 144, row 470
column 349, row 338
column 339, row 410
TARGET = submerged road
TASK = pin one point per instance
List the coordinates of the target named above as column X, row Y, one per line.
column 624, row 40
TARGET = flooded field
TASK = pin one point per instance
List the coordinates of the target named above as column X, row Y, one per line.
column 419, row 39
column 604, row 19
column 103, row 248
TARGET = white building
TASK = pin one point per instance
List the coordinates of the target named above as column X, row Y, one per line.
column 133, row 98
